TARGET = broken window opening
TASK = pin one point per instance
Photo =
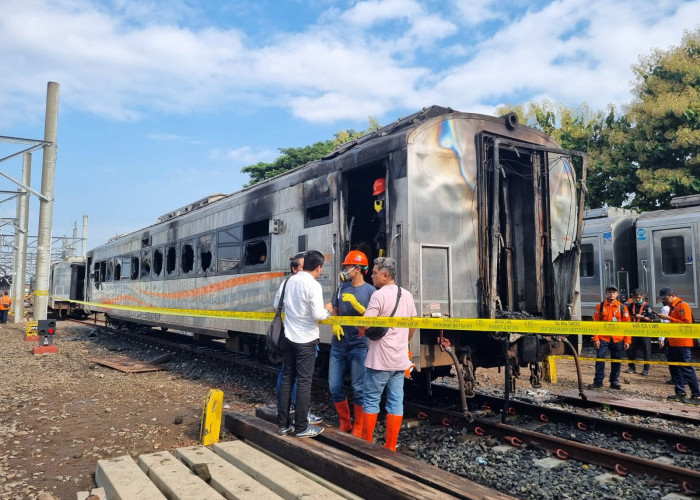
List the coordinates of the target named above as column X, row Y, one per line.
column 157, row 262
column 117, row 270
column 110, row 271
column 145, row 264
column 205, row 253
column 170, row 261
column 187, row 258
column 135, row 267
column 255, row 252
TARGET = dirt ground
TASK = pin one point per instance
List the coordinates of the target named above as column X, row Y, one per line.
column 60, row 413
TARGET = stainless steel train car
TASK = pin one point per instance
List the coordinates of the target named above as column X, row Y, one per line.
column 482, row 214
column 649, row 251
column 67, row 284
column 668, row 246
column 607, row 254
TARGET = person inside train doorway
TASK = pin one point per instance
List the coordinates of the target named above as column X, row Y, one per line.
column 640, row 312
column 5, row 304
column 387, row 358
column 303, row 309
column 379, row 219
column 348, row 347
column 679, row 349
column 295, row 264
column 610, row 310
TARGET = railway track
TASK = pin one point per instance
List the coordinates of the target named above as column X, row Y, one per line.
column 517, row 431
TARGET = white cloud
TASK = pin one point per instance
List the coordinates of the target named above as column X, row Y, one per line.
column 372, row 58
column 473, row 12
column 244, row 155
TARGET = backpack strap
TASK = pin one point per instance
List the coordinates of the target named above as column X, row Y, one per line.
column 280, row 305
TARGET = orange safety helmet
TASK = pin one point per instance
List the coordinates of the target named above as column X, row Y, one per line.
column 379, row 186
column 355, row 258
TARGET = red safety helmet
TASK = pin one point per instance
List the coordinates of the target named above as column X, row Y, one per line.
column 355, row 258
column 379, row 186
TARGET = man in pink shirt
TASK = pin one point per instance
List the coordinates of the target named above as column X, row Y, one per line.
column 387, row 357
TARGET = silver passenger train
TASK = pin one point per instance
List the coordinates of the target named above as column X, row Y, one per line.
column 482, row 214
column 649, row 251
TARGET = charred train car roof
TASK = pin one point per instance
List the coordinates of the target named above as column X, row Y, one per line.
column 365, row 149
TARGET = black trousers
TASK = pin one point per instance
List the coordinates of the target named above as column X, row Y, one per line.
column 299, row 362
column 643, row 344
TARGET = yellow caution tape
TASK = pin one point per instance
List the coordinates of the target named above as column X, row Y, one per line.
column 635, row 361
column 525, row 326
column 42, row 293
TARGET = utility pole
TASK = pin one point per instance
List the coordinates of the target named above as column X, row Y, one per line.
column 48, row 173
column 21, row 232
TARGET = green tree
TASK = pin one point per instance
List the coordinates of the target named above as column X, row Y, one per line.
column 292, row 158
column 665, row 114
column 600, row 135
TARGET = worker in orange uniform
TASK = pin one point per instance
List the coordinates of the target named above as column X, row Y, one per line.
column 679, row 349
column 5, row 304
column 379, row 193
column 610, row 310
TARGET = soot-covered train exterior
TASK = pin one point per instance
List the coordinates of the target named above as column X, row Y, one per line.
column 650, row 251
column 482, row 214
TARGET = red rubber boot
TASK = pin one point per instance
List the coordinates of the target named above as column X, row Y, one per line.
column 359, row 420
column 368, row 424
column 344, row 413
column 393, row 426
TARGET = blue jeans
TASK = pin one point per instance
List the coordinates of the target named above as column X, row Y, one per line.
column 682, row 375
column 340, row 358
column 375, row 382
column 617, row 351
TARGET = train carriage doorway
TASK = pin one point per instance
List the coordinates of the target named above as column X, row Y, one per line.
column 672, row 263
column 514, row 209
column 365, row 197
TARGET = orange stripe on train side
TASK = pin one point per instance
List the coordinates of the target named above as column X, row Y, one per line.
column 119, row 300
column 216, row 287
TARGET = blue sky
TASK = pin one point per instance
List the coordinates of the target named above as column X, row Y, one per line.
column 163, row 101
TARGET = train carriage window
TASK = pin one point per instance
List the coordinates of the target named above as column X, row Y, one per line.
column 318, row 213
column 255, row 253
column 117, row 270
column 110, row 271
column 256, row 241
column 126, row 267
column 587, row 268
column 146, row 264
column 673, row 255
column 135, row 267
column 228, row 249
column 186, row 257
column 204, row 247
column 170, row 261
column 103, row 270
column 157, row 262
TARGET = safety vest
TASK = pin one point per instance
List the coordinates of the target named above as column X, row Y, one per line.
column 680, row 313
column 611, row 312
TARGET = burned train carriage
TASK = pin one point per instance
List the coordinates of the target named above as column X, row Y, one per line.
column 480, row 212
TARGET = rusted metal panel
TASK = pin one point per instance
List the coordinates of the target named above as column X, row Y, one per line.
column 128, row 365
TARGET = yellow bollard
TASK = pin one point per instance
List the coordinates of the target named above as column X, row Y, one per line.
column 211, row 417
column 550, row 370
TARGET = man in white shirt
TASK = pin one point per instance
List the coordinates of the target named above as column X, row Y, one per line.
column 303, row 309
